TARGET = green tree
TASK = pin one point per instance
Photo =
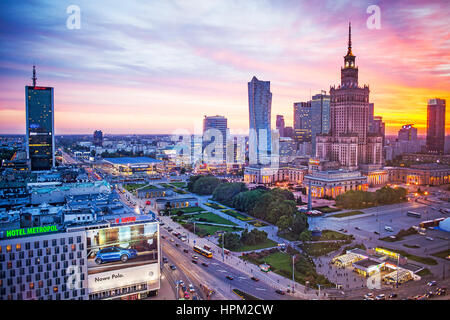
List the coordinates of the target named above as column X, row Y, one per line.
column 300, row 223
column 284, row 222
column 225, row 192
column 231, row 241
column 245, row 201
column 205, row 185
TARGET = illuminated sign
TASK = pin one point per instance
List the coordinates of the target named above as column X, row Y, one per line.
column 126, row 220
column 28, row 231
column 386, row 252
column 315, row 162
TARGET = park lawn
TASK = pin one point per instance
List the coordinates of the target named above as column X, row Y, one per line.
column 346, row 214
column 214, row 205
column 266, row 244
column 236, row 215
column 150, row 187
column 178, row 184
column 130, row 187
column 180, row 191
column 326, row 209
column 213, row 229
column 210, row 217
column 412, row 246
column 424, row 272
column 321, row 248
column 258, row 224
column 281, row 263
column 442, row 254
column 424, row 260
column 187, row 210
column 333, row 235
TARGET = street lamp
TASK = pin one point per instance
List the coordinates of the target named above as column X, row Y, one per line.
column 293, row 279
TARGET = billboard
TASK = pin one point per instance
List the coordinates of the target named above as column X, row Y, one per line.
column 123, row 256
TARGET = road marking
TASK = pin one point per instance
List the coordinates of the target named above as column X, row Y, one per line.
column 222, row 270
column 243, row 278
column 261, row 289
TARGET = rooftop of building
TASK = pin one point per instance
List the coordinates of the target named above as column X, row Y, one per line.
column 366, row 263
column 130, row 160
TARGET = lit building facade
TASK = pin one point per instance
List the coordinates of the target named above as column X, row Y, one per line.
column 40, row 127
column 333, row 183
column 260, row 108
column 348, row 141
column 215, row 135
column 320, row 116
column 422, row 174
column 436, row 126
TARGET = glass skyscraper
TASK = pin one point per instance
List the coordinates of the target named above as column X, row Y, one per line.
column 40, row 127
column 260, row 107
column 210, row 124
column 320, row 116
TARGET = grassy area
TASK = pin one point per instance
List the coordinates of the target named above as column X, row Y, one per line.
column 180, row 191
column 346, row 214
column 412, row 246
column 424, row 272
column 130, row 187
column 281, row 263
column 333, row 235
column 266, row 244
column 187, row 210
column 442, row 254
column 291, row 236
column 322, row 248
column 203, row 230
column 424, row 260
column 214, row 205
column 208, row 217
column 178, row 184
column 243, row 295
column 236, row 215
column 400, row 235
column 326, row 209
column 258, row 224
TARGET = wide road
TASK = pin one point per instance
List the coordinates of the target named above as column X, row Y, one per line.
column 213, row 276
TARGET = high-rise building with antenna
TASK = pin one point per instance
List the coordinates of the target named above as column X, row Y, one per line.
column 40, row 127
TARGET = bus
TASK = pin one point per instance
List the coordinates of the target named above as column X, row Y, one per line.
column 203, row 252
column 414, row 214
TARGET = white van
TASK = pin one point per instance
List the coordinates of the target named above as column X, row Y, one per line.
column 387, row 228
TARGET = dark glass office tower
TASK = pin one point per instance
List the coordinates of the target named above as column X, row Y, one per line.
column 436, row 126
column 40, row 126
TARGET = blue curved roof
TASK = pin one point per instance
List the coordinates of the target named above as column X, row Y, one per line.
column 130, row 160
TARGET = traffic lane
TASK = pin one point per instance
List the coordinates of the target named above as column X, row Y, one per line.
column 185, row 265
column 220, row 270
column 177, row 275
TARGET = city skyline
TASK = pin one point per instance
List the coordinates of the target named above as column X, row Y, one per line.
column 128, row 75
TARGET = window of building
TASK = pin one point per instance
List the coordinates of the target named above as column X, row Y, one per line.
column 45, row 243
column 73, row 247
column 53, row 242
column 70, row 240
column 36, row 244
column 18, row 247
column 55, row 289
column 27, row 246
column 9, row 265
column 8, row 248
column 31, row 285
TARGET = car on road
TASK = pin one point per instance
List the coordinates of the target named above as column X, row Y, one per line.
column 194, row 261
column 170, row 229
column 429, row 294
column 173, row 267
column 177, row 245
column 161, row 223
column 171, row 240
column 254, row 279
column 185, row 250
column 229, row 277
column 392, row 296
column 279, row 291
column 194, row 257
column 186, row 295
column 368, row 295
column 387, row 228
column 112, row 254
column 163, row 237
column 357, row 228
column 431, row 283
column 429, row 238
column 380, row 297
column 376, row 232
column 205, row 264
column 191, row 288
column 183, row 238
column 165, row 260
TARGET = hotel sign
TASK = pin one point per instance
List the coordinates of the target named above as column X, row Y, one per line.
column 28, row 231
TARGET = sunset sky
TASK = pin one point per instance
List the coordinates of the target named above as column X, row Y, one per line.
column 158, row 66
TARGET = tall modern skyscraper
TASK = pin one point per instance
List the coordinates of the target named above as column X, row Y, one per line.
column 260, row 108
column 40, row 126
column 215, row 127
column 98, row 138
column 348, row 141
column 302, row 121
column 280, row 125
column 320, row 116
column 436, row 126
